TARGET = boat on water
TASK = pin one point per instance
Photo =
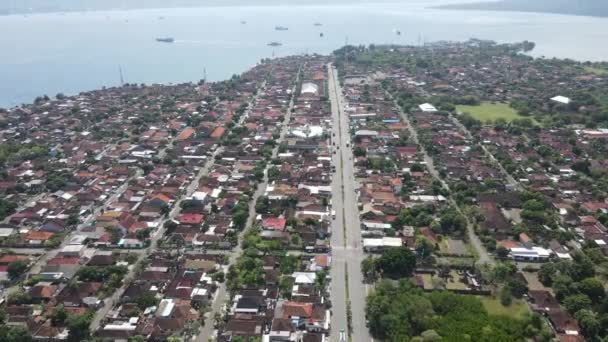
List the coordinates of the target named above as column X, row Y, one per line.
column 243, row 22
column 318, row 24
column 281, row 28
column 275, row 44
column 165, row 40
column 321, row 34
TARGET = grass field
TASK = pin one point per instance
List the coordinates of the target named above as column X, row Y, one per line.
column 596, row 71
column 517, row 309
column 491, row 111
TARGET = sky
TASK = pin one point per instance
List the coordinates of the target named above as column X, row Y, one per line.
column 25, row 6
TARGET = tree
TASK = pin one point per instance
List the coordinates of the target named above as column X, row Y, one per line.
column 502, row 252
column 137, row 338
column 503, row 271
column 320, row 280
column 430, row 336
column 397, row 263
column 15, row 334
column 576, row 302
column 546, row 273
column 593, row 288
column 417, row 168
column 58, row 315
column 146, row 300
column 451, row 222
column 587, row 320
column 16, row 268
column 369, row 269
column 6, row 208
column 398, row 311
column 424, row 248
column 289, row 264
column 506, row 296
column 273, row 173
column 78, row 326
column 517, row 286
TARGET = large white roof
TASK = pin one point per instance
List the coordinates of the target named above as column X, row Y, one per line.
column 310, row 88
column 561, row 99
column 427, row 108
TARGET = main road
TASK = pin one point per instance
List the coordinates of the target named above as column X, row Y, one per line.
column 347, row 253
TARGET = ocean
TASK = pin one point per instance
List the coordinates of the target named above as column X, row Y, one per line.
column 71, row 52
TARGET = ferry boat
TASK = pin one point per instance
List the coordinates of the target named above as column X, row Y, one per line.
column 165, row 40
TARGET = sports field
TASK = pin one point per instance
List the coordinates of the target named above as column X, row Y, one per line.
column 491, row 111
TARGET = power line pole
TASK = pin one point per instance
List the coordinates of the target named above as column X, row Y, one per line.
column 122, row 80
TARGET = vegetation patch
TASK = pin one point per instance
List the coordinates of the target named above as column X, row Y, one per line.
column 597, row 71
column 401, row 312
column 517, row 309
column 487, row 111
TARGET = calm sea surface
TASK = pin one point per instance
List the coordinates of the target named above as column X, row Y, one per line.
column 51, row 53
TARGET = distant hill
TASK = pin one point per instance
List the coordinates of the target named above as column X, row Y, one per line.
column 595, row 8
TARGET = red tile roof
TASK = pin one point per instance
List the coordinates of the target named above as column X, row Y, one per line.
column 218, row 132
column 274, row 223
column 38, row 235
column 293, row 309
column 190, row 218
column 186, row 133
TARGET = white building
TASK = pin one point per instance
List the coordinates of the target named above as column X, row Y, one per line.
column 561, row 99
column 378, row 245
column 366, row 133
column 427, row 108
column 530, row 254
column 310, row 88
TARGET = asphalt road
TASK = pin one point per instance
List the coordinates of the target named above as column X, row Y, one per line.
column 347, row 249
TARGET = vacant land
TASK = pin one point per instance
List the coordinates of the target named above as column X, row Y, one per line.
column 517, row 309
column 534, row 283
column 491, row 111
column 454, row 283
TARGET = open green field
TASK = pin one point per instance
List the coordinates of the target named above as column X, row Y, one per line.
column 491, row 111
column 597, row 71
column 517, row 309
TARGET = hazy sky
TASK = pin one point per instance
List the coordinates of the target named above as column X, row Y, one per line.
column 20, row 6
